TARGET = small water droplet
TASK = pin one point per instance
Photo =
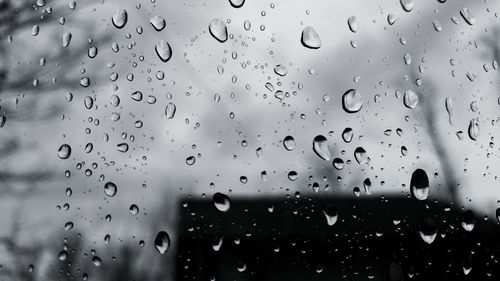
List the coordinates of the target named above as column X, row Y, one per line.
column 468, row 221
column 467, row 15
column 66, row 39
column 360, row 155
column 410, row 99
column 331, row 214
column 237, row 3
column 122, row 147
column 427, row 229
column 170, row 110
column 473, row 129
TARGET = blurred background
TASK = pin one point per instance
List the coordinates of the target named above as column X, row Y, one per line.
column 119, row 120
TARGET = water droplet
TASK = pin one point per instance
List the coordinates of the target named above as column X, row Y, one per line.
column 88, row 102
column 437, row 25
column 367, row 185
column 347, row 135
column 221, row 202
column 237, row 3
column 338, row 163
column 473, row 129
column 63, row 255
column 467, row 15
column 449, row 108
column 133, row 209
column 119, row 18
column 390, row 19
column 320, row 147
column 407, row 5
column 289, row 143
column 110, row 189
column 158, row 23
column 66, row 39
column 468, row 220
column 419, row 184
column 122, row 147
column 218, row 30
column 352, row 101
column 96, row 261
column 427, row 229
column 163, row 50
column 360, row 155
column 410, row 99
column 3, row 120
column 137, row 96
column 310, row 38
column 190, row 160
column 170, row 110
column 280, row 70
column 331, row 214
column 162, row 242
column 64, row 151
column 92, row 53
column 353, row 24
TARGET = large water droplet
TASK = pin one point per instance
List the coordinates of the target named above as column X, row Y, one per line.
column 427, row 229
column 88, row 102
column 119, row 18
column 419, row 184
column 467, row 15
column 163, row 50
column 237, row 3
column 158, row 23
column 360, row 155
column 331, row 215
column 320, row 147
column 352, row 101
column 122, row 147
column 218, row 30
column 310, row 38
column 289, row 143
column 473, row 129
column 347, row 135
column 110, row 189
column 353, row 24
column 64, row 151
column 162, row 242
column 221, row 202
column 170, row 110
column 468, row 220
column 407, row 5
column 410, row 99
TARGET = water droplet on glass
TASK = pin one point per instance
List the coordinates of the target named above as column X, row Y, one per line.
column 427, row 229
column 96, row 261
column 64, row 151
column 88, row 102
column 66, row 39
column 158, row 23
column 473, row 129
column 320, row 147
column 218, row 30
column 190, row 160
column 360, row 155
column 310, row 38
column 163, row 50
column 410, row 99
column 390, row 19
column 133, row 209
column 119, row 18
column 407, row 5
column 449, row 108
column 289, row 143
column 467, row 15
column 280, row 70
column 419, row 184
column 170, row 110
column 237, row 3
column 122, row 147
column 352, row 101
column 63, row 255
column 468, row 220
column 221, row 202
column 331, row 215
column 338, row 163
column 162, row 242
column 92, row 53
column 110, row 189
column 353, row 24
column 347, row 135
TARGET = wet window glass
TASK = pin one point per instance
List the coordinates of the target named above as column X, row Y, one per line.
column 249, row 140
